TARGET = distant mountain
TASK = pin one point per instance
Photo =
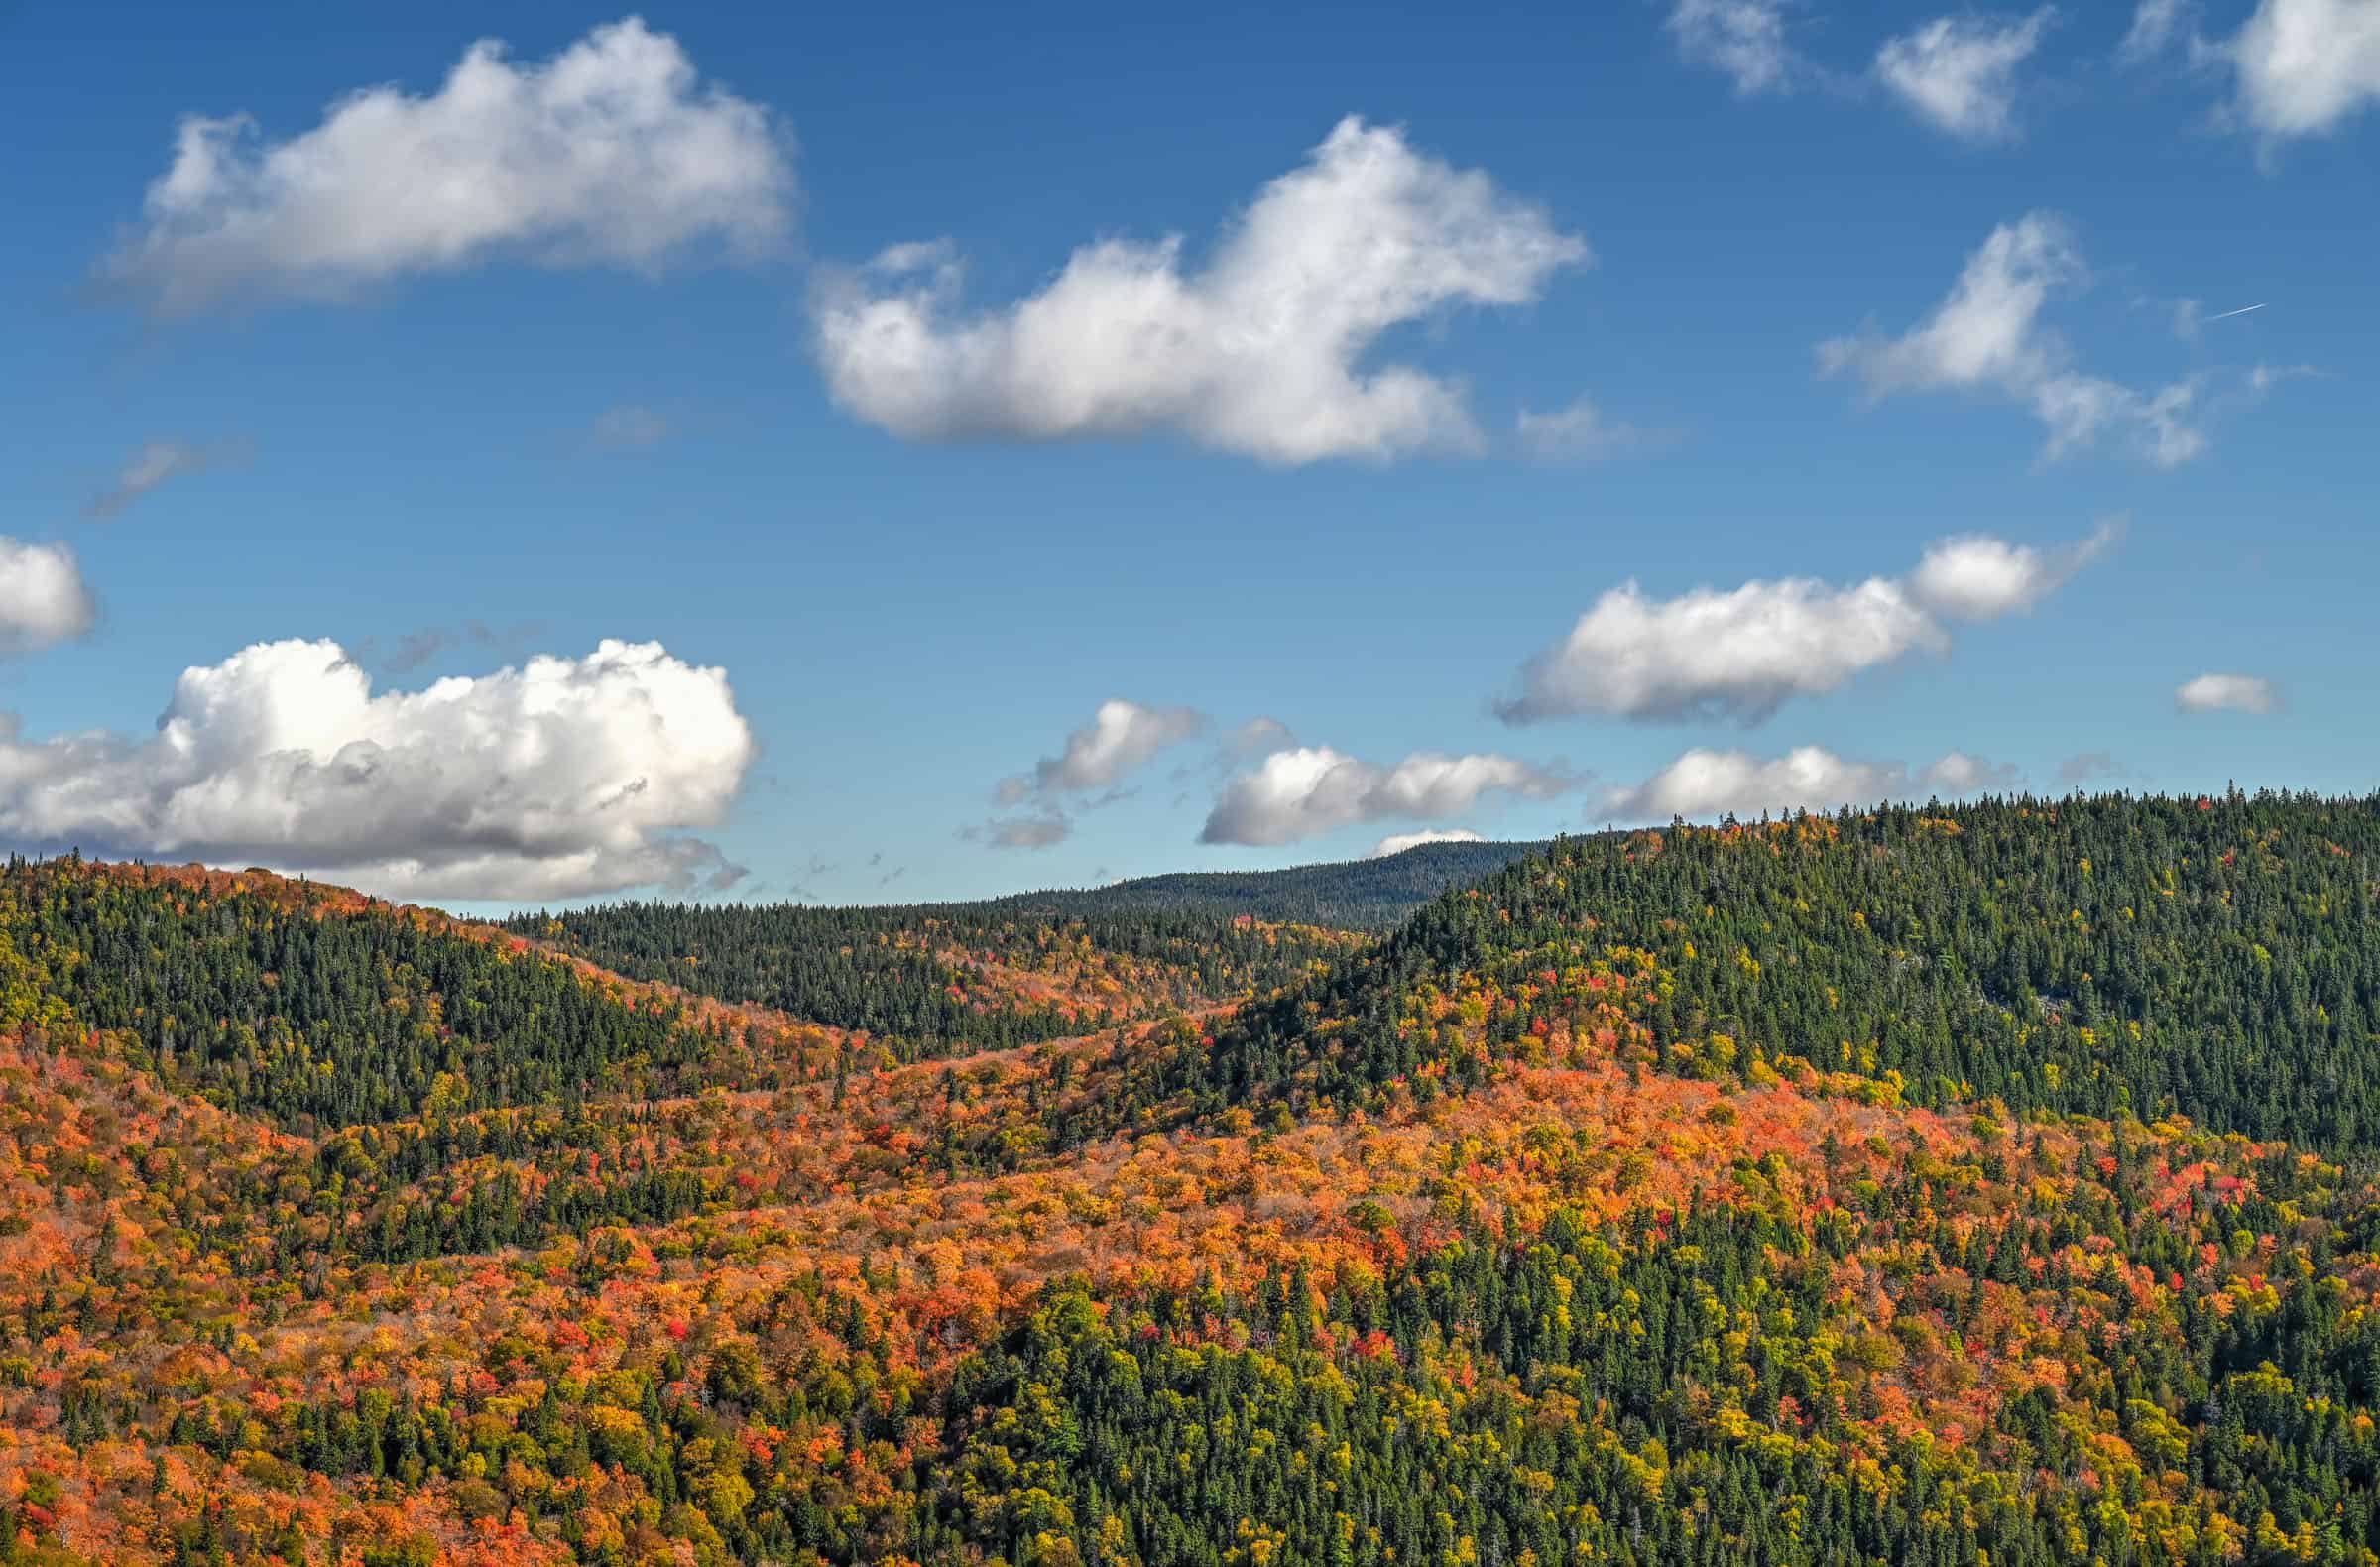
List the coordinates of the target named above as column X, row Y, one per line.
column 1351, row 895
column 1027, row 967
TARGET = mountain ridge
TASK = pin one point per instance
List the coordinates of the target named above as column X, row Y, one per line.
column 1369, row 893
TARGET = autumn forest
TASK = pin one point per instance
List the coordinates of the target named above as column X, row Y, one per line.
column 1983, row 1185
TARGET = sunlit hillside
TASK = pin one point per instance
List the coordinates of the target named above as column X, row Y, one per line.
column 1986, row 1183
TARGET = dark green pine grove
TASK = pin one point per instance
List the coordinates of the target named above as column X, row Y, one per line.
column 321, row 1019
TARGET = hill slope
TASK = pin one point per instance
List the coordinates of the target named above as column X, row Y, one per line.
column 2216, row 958
column 934, row 977
column 1590, row 1215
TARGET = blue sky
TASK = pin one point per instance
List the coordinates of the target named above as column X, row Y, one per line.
column 606, row 413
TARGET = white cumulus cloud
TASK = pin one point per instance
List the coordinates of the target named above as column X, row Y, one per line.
column 1707, row 783
column 43, row 600
column 612, row 152
column 1120, row 739
column 556, row 778
column 1399, row 842
column 2233, row 693
column 1959, row 73
column 1742, row 653
column 1313, row 789
column 2306, row 66
column 1746, row 38
column 1261, row 351
column 1117, row 741
column 1987, row 336
column 1975, row 576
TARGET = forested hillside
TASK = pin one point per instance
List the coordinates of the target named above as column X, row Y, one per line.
column 2216, row 958
column 1988, row 1184
column 936, row 974
column 258, row 996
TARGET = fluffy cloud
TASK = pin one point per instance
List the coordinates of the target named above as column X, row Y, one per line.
column 1707, row 654
column 2299, row 67
column 42, row 597
column 610, row 151
column 2306, row 66
column 2233, row 693
column 558, row 778
column 1120, row 739
column 1743, row 654
column 1399, row 842
column 1744, row 37
column 1258, row 353
column 1707, row 783
column 1959, row 73
column 1312, row 789
column 152, row 465
column 1975, row 576
column 1987, row 336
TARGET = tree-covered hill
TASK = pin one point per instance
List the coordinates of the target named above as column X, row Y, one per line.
column 937, row 975
column 2219, row 958
column 318, row 1008
column 1978, row 1185
column 1029, row 967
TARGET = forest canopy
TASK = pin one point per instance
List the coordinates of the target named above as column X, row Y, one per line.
column 1981, row 1183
